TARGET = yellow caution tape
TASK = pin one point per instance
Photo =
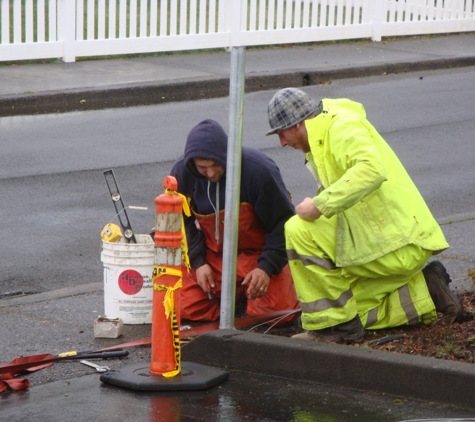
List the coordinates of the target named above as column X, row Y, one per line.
column 169, row 305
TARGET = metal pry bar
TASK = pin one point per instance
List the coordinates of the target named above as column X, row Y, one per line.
column 119, row 206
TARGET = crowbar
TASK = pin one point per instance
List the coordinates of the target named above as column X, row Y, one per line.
column 19, row 365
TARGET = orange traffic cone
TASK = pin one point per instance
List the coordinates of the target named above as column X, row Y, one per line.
column 164, row 372
column 167, row 278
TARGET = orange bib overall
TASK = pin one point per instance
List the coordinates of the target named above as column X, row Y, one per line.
column 195, row 304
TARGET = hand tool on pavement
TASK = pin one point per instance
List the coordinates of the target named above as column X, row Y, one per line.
column 98, row 368
column 86, row 352
column 119, row 206
column 23, row 363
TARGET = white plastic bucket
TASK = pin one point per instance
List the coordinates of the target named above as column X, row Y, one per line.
column 128, row 287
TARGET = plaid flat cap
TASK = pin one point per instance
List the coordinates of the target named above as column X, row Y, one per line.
column 288, row 107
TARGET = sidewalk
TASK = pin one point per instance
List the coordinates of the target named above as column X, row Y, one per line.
column 59, row 321
column 97, row 84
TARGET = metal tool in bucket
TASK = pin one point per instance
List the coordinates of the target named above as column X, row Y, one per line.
column 119, row 206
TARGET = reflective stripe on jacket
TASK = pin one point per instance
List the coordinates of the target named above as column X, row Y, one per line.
column 378, row 206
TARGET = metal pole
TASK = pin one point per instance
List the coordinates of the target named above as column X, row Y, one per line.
column 233, row 186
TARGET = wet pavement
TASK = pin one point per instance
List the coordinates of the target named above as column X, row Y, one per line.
column 271, row 378
column 243, row 397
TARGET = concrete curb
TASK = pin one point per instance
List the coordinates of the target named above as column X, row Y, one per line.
column 79, row 289
column 201, row 88
column 364, row 369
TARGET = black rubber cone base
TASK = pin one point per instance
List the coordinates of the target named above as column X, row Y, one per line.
column 193, row 376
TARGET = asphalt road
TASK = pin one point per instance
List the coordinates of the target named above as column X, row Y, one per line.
column 54, row 201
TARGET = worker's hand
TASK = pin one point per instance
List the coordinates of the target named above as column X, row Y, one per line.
column 258, row 282
column 204, row 277
column 307, row 211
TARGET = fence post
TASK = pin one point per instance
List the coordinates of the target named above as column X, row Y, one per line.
column 234, row 18
column 67, row 28
column 378, row 20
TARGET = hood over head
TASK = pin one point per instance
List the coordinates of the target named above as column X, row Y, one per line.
column 206, row 140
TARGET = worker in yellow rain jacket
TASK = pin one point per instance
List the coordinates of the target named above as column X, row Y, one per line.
column 357, row 249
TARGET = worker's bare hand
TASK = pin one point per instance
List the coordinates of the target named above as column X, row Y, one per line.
column 258, row 282
column 307, row 211
column 204, row 277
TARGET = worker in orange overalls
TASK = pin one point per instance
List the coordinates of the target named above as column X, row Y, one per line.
column 262, row 274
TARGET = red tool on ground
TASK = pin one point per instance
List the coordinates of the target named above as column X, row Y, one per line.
column 35, row 362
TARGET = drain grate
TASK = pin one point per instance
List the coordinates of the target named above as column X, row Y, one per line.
column 11, row 295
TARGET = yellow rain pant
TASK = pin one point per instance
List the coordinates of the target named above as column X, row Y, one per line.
column 387, row 292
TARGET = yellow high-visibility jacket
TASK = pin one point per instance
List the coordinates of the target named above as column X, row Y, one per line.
column 378, row 207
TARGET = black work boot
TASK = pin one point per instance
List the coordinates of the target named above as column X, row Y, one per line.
column 445, row 301
column 351, row 330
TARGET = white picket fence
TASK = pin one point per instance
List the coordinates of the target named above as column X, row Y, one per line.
column 67, row 29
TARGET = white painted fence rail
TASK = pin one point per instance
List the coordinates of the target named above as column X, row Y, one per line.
column 67, row 29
